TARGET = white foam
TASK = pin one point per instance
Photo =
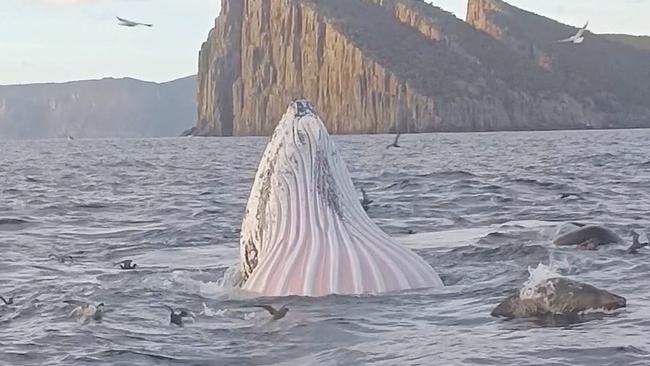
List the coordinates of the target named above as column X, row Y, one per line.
column 538, row 278
column 457, row 238
column 600, row 311
column 231, row 277
column 213, row 313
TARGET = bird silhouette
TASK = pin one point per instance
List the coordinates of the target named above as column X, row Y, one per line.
column 126, row 264
column 577, row 38
column 130, row 23
column 7, row 302
column 275, row 314
column 176, row 315
column 394, row 144
column 636, row 244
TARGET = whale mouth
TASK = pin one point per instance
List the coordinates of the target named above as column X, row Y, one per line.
column 304, row 231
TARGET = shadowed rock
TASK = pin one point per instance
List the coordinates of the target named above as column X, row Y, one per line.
column 588, row 237
column 558, row 296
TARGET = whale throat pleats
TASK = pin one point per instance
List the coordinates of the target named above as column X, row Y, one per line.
column 305, row 233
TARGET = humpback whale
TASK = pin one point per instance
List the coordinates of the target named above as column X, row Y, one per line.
column 304, row 231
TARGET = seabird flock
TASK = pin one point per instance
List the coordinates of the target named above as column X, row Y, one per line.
column 85, row 312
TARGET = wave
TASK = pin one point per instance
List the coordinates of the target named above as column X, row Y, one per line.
column 539, row 183
column 11, row 223
column 502, row 253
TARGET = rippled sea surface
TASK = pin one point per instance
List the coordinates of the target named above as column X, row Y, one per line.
column 480, row 208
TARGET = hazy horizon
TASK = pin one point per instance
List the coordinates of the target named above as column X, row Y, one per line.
column 80, row 39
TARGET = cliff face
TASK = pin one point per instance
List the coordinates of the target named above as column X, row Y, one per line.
column 639, row 42
column 374, row 66
column 611, row 72
column 97, row 108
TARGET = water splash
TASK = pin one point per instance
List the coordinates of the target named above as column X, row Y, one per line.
column 231, row 278
column 207, row 311
column 537, row 286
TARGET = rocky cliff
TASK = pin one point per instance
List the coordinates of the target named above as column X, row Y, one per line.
column 375, row 66
column 97, row 108
column 640, row 42
column 610, row 73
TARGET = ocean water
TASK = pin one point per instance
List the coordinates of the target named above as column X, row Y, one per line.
column 480, row 208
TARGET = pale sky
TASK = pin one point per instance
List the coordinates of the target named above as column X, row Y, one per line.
column 62, row 40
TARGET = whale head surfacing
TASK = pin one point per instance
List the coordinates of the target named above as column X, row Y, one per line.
column 305, row 233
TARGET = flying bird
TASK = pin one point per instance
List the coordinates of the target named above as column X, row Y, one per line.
column 577, row 38
column 129, row 23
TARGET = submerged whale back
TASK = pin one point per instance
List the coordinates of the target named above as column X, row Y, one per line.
column 598, row 234
column 305, row 232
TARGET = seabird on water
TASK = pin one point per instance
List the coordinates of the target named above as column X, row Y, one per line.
column 176, row 315
column 275, row 314
column 128, row 23
column 394, row 144
column 577, row 38
column 126, row 264
column 636, row 244
column 61, row 258
column 7, row 302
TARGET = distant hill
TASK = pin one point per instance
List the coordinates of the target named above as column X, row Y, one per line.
column 639, row 42
column 97, row 108
column 613, row 76
column 373, row 66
